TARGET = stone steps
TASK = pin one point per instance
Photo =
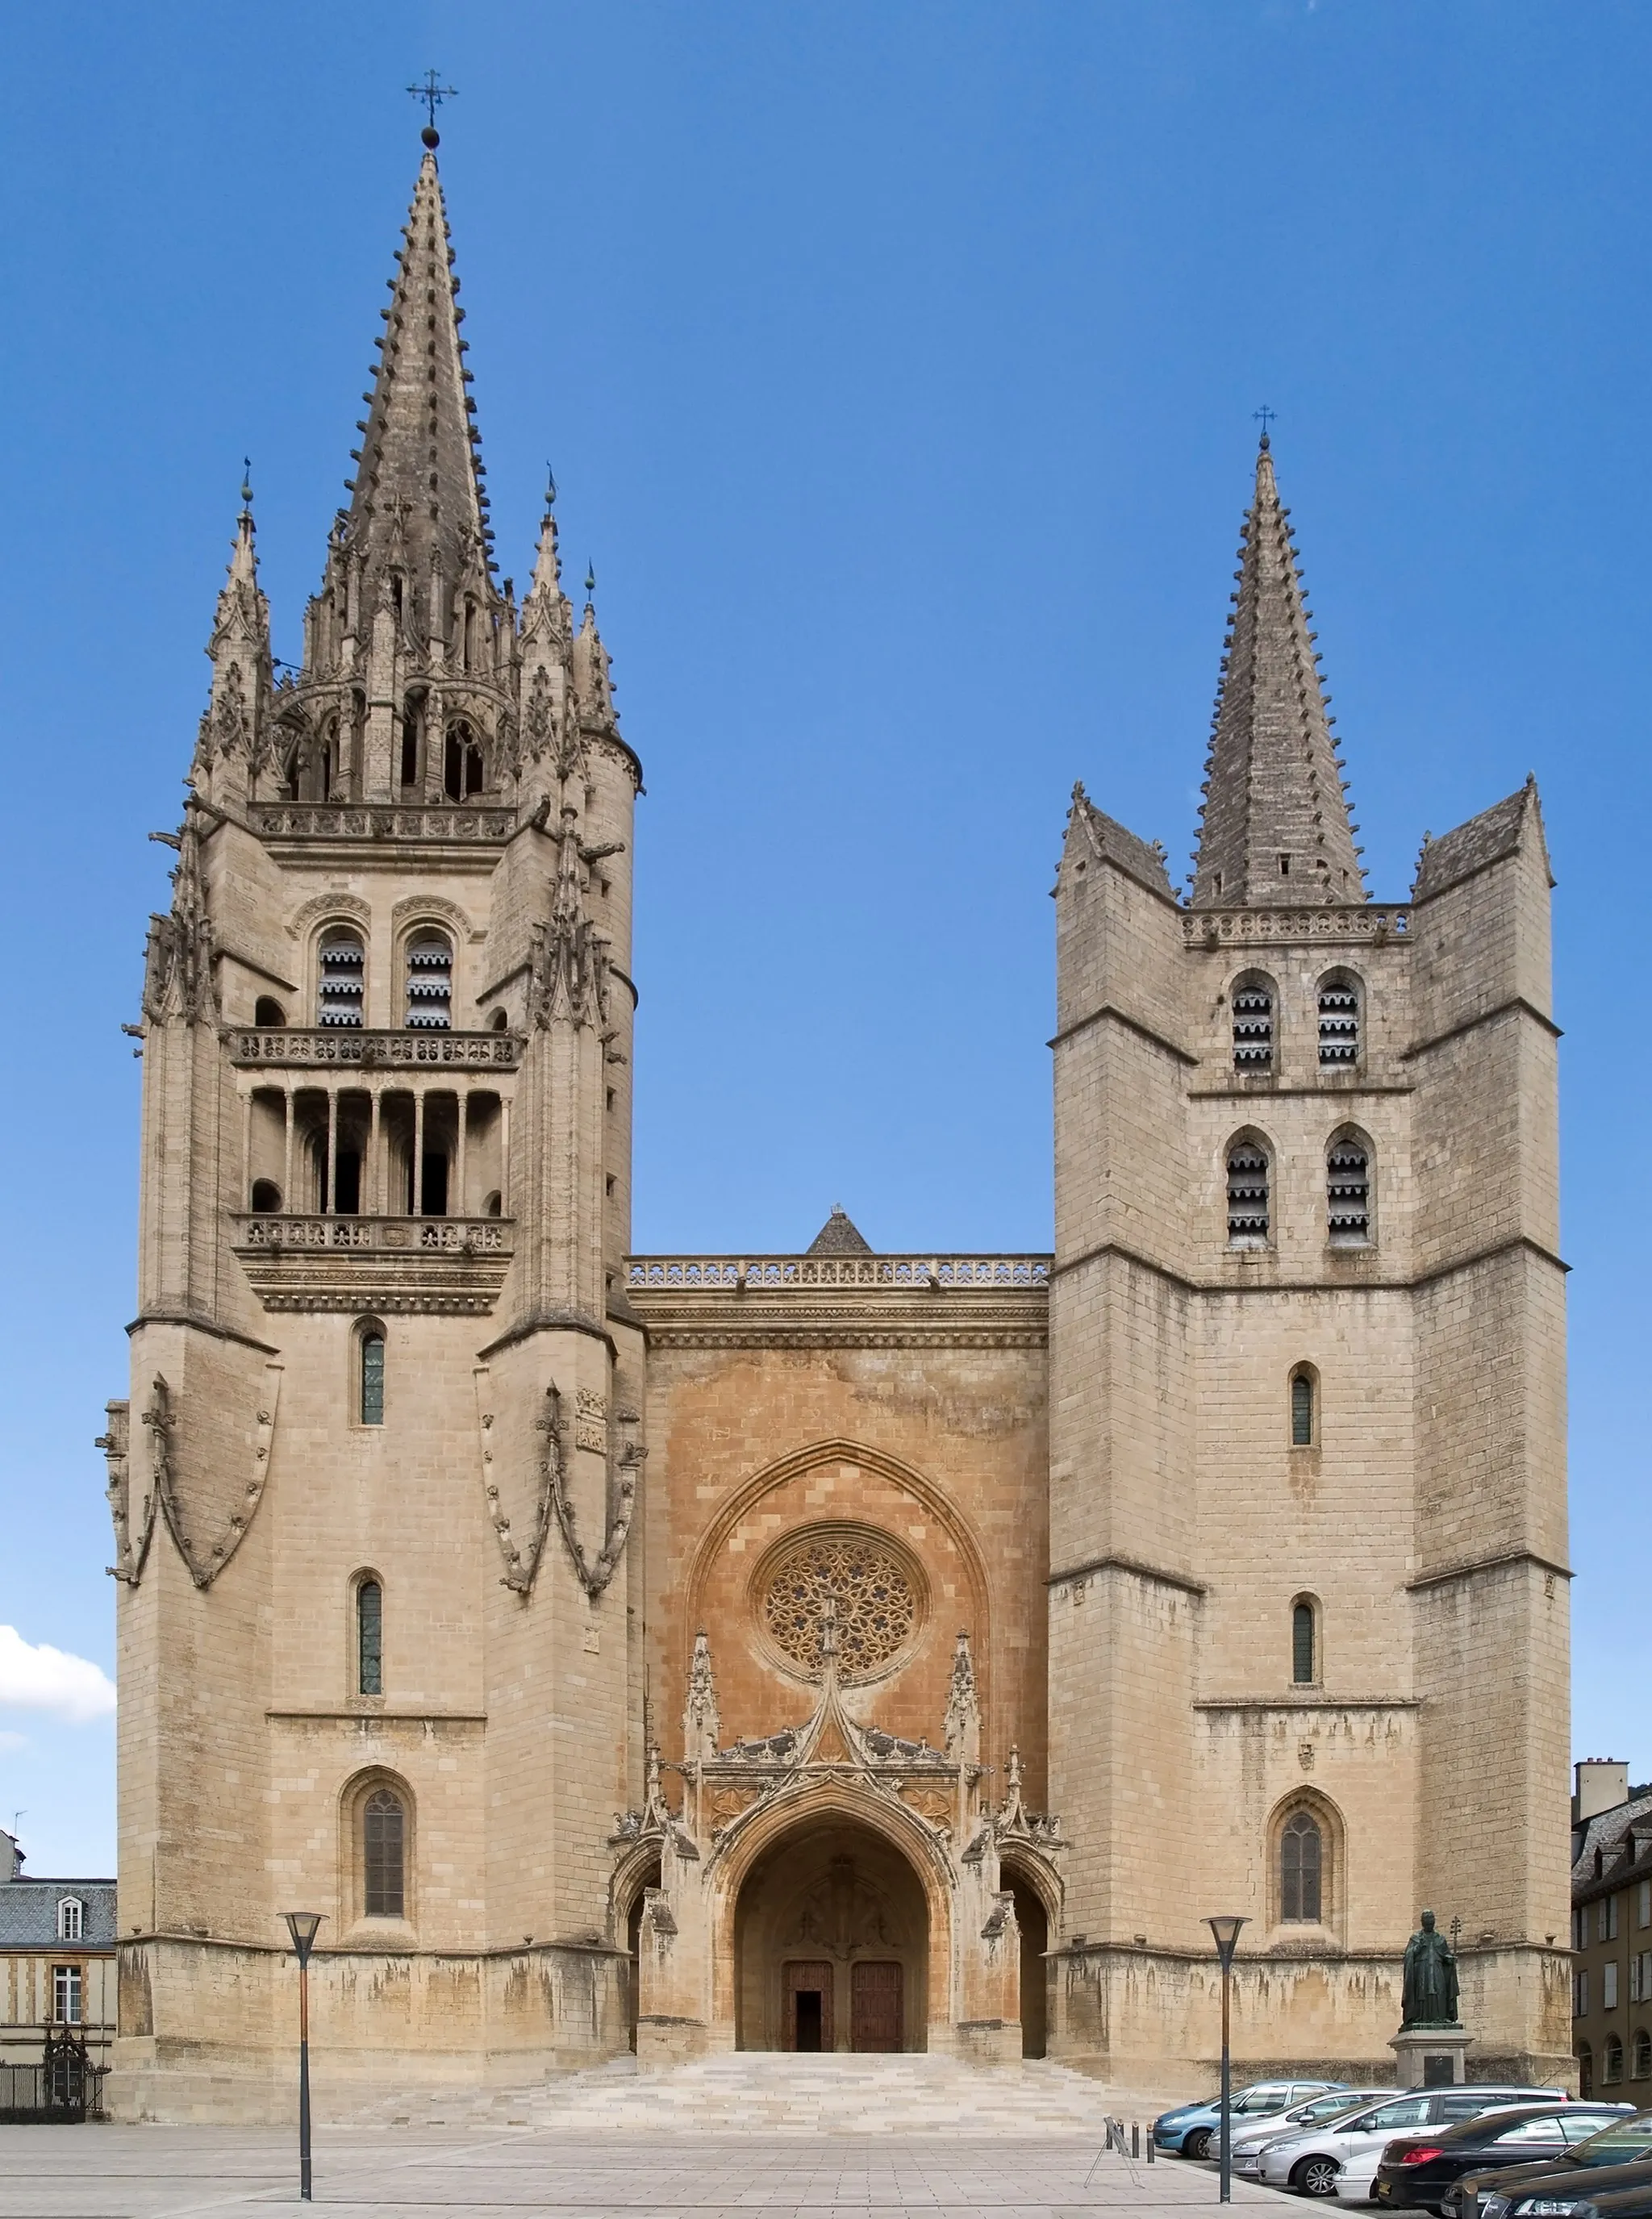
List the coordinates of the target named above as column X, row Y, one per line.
column 765, row 2093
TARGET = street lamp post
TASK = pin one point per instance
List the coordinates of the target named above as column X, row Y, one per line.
column 302, row 1925
column 1226, row 1931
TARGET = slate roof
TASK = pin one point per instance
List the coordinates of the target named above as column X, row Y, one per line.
column 1113, row 842
column 28, row 1913
column 1605, row 1833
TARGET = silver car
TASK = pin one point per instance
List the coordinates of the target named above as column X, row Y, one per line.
column 1251, row 2136
column 1315, row 2159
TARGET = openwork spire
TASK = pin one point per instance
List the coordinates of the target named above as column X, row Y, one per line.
column 1276, row 829
column 417, row 504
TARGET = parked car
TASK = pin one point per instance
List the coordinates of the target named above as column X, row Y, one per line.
column 1622, row 2190
column 1251, row 2136
column 1340, row 2157
column 1581, row 2175
column 1417, row 2170
column 1192, row 2130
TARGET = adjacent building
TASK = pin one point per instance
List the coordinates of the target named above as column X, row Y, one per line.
column 57, row 1961
column 1611, row 1932
column 838, row 1648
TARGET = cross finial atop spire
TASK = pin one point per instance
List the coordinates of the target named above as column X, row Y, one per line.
column 432, row 92
column 1265, row 416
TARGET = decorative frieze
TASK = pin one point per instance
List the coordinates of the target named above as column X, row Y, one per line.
column 454, row 1265
column 335, row 1047
column 1361, row 921
column 329, row 820
column 785, row 1274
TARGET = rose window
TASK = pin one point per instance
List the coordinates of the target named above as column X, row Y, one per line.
column 867, row 1577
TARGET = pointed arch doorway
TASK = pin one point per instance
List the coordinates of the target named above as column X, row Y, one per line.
column 831, row 1937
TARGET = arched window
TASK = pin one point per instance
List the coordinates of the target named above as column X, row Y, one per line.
column 71, row 1919
column 1585, row 2070
column 1611, row 2061
column 267, row 1011
column 266, row 1197
column 327, row 785
column 371, row 1342
column 341, row 980
column 1247, row 1196
column 498, row 1021
column 1348, row 1191
column 1339, row 1023
column 413, row 741
column 1304, row 1643
column 492, row 1204
column 430, row 983
column 462, row 771
column 1642, row 2055
column 370, row 1637
column 1302, row 1858
column 1304, row 1411
column 384, row 1834
column 1253, row 1001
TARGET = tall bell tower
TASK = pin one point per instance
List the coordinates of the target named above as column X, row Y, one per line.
column 375, row 1484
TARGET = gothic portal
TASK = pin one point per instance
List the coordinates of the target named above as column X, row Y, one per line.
column 835, row 1649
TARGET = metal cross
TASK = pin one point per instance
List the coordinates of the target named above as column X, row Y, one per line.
column 433, row 92
column 1265, row 416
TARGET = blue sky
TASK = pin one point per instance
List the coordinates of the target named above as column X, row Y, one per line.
column 897, row 364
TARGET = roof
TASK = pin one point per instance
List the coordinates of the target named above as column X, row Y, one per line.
column 1113, row 842
column 839, row 1236
column 1604, row 1834
column 1492, row 836
column 28, row 1913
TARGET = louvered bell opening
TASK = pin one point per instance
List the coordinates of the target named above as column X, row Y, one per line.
column 1252, row 1031
column 341, row 985
column 430, row 988
column 1348, row 1193
column 1247, row 1196
column 1339, row 1027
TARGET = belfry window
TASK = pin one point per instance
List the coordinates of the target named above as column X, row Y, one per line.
column 430, row 983
column 1253, row 1026
column 1247, row 1196
column 1303, row 1662
column 384, row 1829
column 462, row 770
column 1339, row 1025
column 1301, row 1859
column 341, row 985
column 1348, row 1192
column 369, row 1638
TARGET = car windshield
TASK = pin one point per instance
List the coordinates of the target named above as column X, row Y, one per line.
column 1325, row 2107
column 1255, row 2101
column 1615, row 2145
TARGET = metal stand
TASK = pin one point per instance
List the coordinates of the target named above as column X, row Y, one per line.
column 1226, row 1931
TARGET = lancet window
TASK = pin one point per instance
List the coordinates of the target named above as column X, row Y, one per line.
column 370, row 1637
column 1304, row 1414
column 1304, row 1643
column 1247, row 1195
column 430, row 983
column 341, row 982
column 1301, row 1861
column 384, row 1836
column 1253, row 1002
column 1348, row 1191
column 463, row 768
column 1338, row 1023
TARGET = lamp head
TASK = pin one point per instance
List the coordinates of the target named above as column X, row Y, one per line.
column 302, row 1925
column 1227, row 1932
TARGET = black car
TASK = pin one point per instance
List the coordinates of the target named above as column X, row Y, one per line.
column 1418, row 2169
column 1622, row 2191
column 1615, row 2161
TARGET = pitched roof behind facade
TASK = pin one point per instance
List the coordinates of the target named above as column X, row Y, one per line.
column 839, row 1236
column 1495, row 834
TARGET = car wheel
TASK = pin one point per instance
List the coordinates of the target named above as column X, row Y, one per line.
column 1316, row 2176
column 1197, row 2144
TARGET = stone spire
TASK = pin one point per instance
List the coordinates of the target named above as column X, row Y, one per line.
column 232, row 741
column 1276, row 829
column 416, row 500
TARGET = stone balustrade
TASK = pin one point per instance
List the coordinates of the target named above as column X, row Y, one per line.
column 384, row 1236
column 785, row 1274
column 333, row 1047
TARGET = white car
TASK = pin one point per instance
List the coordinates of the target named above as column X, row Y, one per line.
column 1251, row 2136
column 1340, row 2157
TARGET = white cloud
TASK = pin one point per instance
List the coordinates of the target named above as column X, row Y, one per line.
column 46, row 1679
column 10, row 1741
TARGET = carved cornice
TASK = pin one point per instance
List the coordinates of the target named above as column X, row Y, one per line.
column 345, row 1046
column 454, row 1265
column 430, row 821
column 840, row 1301
column 1371, row 923
column 757, row 1331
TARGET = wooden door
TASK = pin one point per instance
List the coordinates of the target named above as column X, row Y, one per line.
column 875, row 2006
column 806, row 2006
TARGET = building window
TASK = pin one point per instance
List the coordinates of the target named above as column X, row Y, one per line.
column 1303, row 1662
column 384, row 1850
column 1640, row 1977
column 369, row 1638
column 65, row 1995
column 372, row 1384
column 1611, row 2061
column 1253, row 1026
column 266, row 1197
column 462, row 769
column 1247, row 1196
column 1579, row 1929
column 1581, row 1992
column 341, row 984
column 1303, row 1430
column 71, row 1919
column 1585, row 2071
column 1301, row 1857
column 430, row 983
column 268, row 1012
column 1339, row 1025
column 1642, row 2055
column 1606, row 1920
column 1609, row 1985
column 1643, row 1903
column 1348, row 1191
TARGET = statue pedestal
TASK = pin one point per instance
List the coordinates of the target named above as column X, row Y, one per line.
column 1430, row 2056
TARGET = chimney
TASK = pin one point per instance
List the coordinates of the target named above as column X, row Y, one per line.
column 1602, row 1784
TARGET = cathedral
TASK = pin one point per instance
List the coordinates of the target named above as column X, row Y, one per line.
column 836, row 1650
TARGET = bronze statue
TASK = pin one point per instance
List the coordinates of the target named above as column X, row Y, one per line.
column 1430, row 1984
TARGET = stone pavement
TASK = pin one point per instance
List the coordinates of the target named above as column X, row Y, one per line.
column 732, row 2136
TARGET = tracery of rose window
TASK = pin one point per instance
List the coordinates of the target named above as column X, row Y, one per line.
column 869, row 1581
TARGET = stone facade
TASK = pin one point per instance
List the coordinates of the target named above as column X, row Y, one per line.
column 690, row 1652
